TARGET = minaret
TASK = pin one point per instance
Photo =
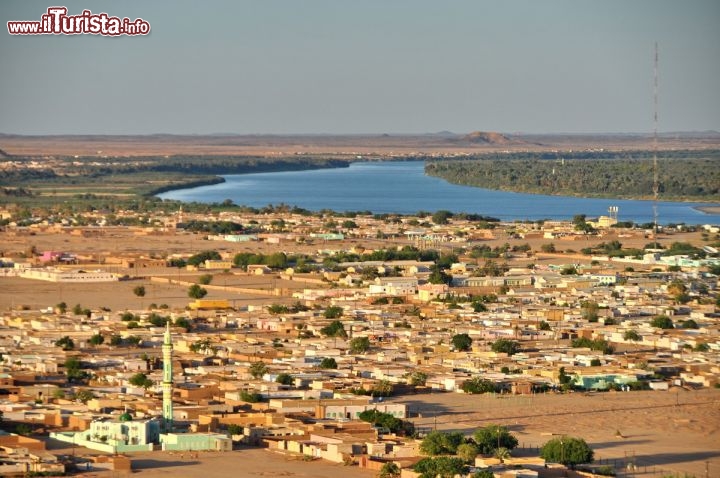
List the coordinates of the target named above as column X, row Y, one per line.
column 167, row 383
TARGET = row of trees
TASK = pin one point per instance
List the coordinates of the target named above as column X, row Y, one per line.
column 687, row 178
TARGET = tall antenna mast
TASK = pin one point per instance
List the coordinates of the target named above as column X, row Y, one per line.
column 656, row 185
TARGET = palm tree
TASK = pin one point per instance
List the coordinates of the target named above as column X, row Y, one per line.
column 502, row 454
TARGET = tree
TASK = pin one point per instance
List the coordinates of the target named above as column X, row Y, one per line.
column 492, row 437
column 507, row 346
column 72, row 369
column 328, row 363
column 484, row 474
column 569, row 451
column 61, row 307
column 359, row 345
column 589, row 311
column 386, row 420
column 477, row 385
column 84, row 396
column 205, row 279
column 389, row 470
column 689, row 324
column 234, row 429
column 284, row 379
column 502, row 454
column 467, row 452
column 334, row 329
column 258, row 369
column 139, row 291
column 196, row 292
column 141, row 380
column 383, row 388
column 276, row 309
column 443, row 466
column 441, row 443
column 549, row 247
column 78, row 310
column 461, row 342
column 418, row 378
column 66, row 343
column 544, row 325
column 96, row 340
column 632, row 335
column 441, row 217
column 333, row 312
column 662, row 322
column 201, row 257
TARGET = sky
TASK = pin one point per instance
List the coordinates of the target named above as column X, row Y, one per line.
column 366, row 67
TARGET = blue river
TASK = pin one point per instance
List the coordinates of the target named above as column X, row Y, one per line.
column 403, row 187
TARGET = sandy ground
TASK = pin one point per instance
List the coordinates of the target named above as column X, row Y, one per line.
column 662, row 432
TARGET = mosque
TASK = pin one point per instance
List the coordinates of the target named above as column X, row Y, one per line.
column 127, row 434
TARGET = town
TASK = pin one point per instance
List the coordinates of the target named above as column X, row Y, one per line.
column 390, row 345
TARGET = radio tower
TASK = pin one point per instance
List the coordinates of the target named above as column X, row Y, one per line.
column 656, row 185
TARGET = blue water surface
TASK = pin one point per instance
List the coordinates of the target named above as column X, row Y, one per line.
column 403, row 187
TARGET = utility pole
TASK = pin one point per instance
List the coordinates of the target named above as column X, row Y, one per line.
column 656, row 185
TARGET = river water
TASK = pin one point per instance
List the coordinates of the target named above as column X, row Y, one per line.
column 403, row 187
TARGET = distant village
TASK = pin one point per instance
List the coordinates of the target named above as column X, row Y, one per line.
column 308, row 334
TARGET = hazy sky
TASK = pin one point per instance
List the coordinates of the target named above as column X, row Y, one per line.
column 366, row 66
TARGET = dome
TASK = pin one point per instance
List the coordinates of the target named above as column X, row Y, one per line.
column 126, row 417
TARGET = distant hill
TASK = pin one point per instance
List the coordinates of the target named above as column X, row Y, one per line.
column 486, row 137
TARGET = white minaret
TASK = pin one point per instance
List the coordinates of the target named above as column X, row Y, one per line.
column 167, row 383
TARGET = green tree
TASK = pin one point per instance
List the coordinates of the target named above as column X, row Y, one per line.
column 284, row 379
column 483, row 474
column 205, row 279
column 569, row 451
column 234, row 429
column 334, row 329
column 467, row 452
column 141, row 380
column 589, row 311
column 689, row 324
column 549, row 247
column 441, row 466
column 61, row 307
column 418, row 378
column 461, row 342
column 196, row 292
column 441, row 443
column 632, row 335
column 84, row 396
column 276, row 309
column 328, row 363
column 333, row 312
column 359, row 345
column 439, row 276
column 250, row 397
column 66, row 343
column 258, row 369
column 201, row 257
column 96, row 340
column 662, row 322
column 478, row 385
column 72, row 369
column 139, row 291
column 78, row 310
column 507, row 346
column 441, row 217
column 386, row 420
column 389, row 470
column 492, row 437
